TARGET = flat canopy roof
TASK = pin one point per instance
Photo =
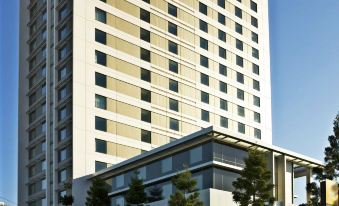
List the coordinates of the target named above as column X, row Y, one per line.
column 211, row 133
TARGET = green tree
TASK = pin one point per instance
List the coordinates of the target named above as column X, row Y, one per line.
column 97, row 195
column 67, row 199
column 254, row 186
column 155, row 194
column 136, row 194
column 186, row 194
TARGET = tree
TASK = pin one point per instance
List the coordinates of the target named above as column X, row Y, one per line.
column 331, row 168
column 97, row 195
column 67, row 199
column 136, row 194
column 254, row 186
column 155, row 194
column 186, row 194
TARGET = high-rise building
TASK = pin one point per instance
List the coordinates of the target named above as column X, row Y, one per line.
column 105, row 80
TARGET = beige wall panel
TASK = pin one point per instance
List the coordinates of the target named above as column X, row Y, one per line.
column 128, row 110
column 127, row 27
column 187, row 72
column 126, row 151
column 188, row 110
column 159, row 60
column 111, row 105
column 188, row 54
column 127, row 48
column 187, row 35
column 159, row 80
column 187, row 91
column 111, row 62
column 189, row 128
column 128, row 131
column 161, row 4
column 186, row 17
column 159, row 139
column 159, row 100
column 111, row 148
column 159, row 22
column 127, row 7
column 111, row 84
column 159, row 120
column 128, row 89
column 111, row 126
column 127, row 68
column 110, row 41
column 110, row 20
column 190, row 3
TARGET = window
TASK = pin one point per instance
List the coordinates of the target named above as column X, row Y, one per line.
column 241, row 128
column 145, row 35
column 100, row 124
column 238, row 12
column 223, row 87
column 222, row 35
column 100, row 15
column 222, row 52
column 256, row 101
column 100, row 101
column 173, row 105
column 240, row 77
column 222, row 70
column 100, row 36
column 172, row 10
column 43, row 89
column 204, row 79
column 62, row 113
column 166, row 165
column 100, row 58
column 147, row 1
column 173, row 85
column 100, row 166
column 145, row 136
column 205, row 115
column 196, row 155
column 239, row 44
column 63, row 12
column 257, row 117
column 100, row 146
column 224, row 122
column 254, row 6
column 145, row 115
column 257, row 133
column 256, row 85
column 223, row 104
column 240, row 94
column 173, row 66
column 238, row 28
column 62, row 73
column 240, row 61
column 62, row 93
column 173, row 47
column 221, row 19
column 221, row 3
column 203, row 61
column 145, row 55
column 255, row 69
column 63, row 52
column 203, row 43
column 202, row 8
column 255, row 37
column 62, row 175
column 100, row 80
column 145, row 75
column 172, row 28
column 62, row 154
column 203, row 26
column 255, row 53
column 174, row 124
column 204, row 97
column 144, row 15
column 254, row 21
column 146, row 95
column 62, row 134
column 241, row 111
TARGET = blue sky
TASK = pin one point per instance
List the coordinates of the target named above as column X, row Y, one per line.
column 304, row 67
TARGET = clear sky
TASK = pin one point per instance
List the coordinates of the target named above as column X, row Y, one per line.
column 304, row 67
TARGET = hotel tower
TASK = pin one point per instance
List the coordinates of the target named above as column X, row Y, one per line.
column 102, row 81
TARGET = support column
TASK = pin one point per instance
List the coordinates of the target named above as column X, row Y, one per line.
column 271, row 167
column 309, row 175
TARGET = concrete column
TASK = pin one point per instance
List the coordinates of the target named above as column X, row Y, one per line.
column 309, row 175
column 284, row 181
column 271, row 167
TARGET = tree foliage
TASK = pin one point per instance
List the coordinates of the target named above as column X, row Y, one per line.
column 97, row 195
column 186, row 194
column 155, row 194
column 254, row 186
column 136, row 193
column 67, row 199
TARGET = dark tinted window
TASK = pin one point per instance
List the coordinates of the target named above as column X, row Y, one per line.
column 100, row 15
column 204, row 97
column 256, row 101
column 101, row 146
column 146, row 136
column 255, row 69
column 145, row 75
column 238, row 28
column 174, row 124
column 146, row 115
column 254, row 6
column 100, row 124
column 172, row 28
column 254, row 21
column 203, row 43
column 222, row 35
column 241, row 128
column 173, row 66
column 205, row 115
column 100, row 101
column 173, row 105
column 203, row 61
column 238, row 12
column 222, row 52
column 144, row 15
column 100, row 36
column 255, row 37
column 145, row 35
column 222, row 70
column 240, row 94
column 241, row 111
column 239, row 44
column 223, row 104
column 240, row 61
column 224, row 122
column 221, row 3
column 223, row 87
column 100, row 80
column 204, row 79
column 100, row 58
column 145, row 54
column 173, row 47
column 240, row 77
column 203, row 26
column 221, row 19
column 173, row 85
column 172, row 10
column 146, row 95
column 202, row 8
